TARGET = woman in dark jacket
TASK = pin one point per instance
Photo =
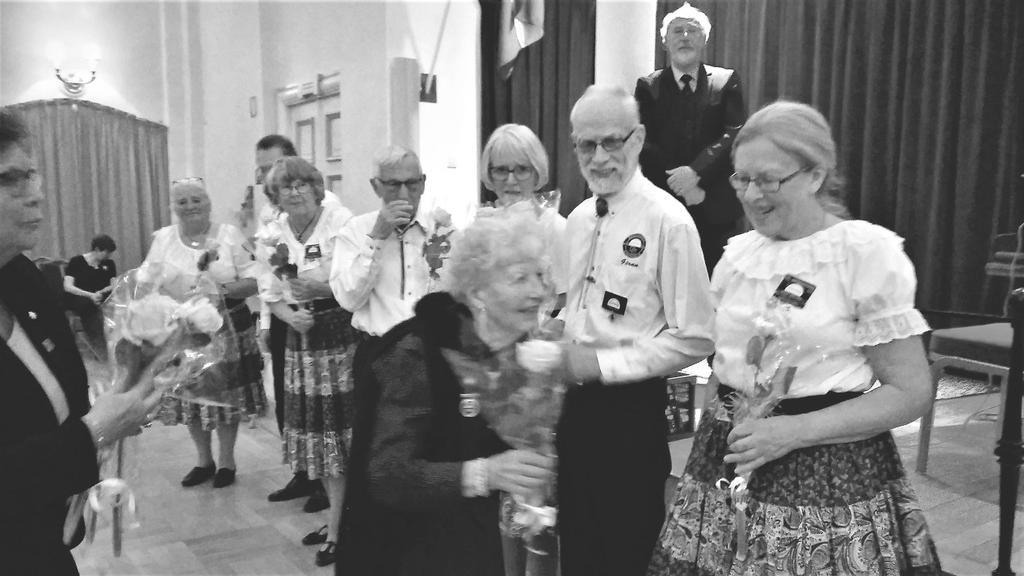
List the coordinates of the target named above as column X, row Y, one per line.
column 425, row 467
column 49, row 435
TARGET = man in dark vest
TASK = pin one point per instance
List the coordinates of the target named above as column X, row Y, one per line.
column 692, row 112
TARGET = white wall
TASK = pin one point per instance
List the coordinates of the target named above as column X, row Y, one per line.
column 130, row 54
column 194, row 66
column 449, row 130
column 301, row 40
column 625, row 41
column 230, row 71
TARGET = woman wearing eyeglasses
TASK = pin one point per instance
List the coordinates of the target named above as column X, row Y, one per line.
column 817, row 309
column 195, row 245
column 514, row 165
column 319, row 348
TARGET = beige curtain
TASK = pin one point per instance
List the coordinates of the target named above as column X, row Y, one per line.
column 103, row 171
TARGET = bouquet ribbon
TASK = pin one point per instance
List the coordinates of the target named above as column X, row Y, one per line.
column 535, row 518
column 738, row 492
column 113, row 493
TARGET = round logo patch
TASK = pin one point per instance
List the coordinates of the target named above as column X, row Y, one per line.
column 634, row 245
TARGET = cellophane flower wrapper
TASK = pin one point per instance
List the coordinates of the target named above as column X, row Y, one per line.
column 171, row 324
column 772, row 355
column 520, row 393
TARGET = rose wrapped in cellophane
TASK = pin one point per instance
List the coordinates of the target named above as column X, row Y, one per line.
column 157, row 320
column 519, row 393
column 772, row 355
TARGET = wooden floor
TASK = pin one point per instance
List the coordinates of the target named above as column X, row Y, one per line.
column 234, row 530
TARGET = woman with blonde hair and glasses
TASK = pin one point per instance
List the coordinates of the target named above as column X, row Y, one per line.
column 514, row 165
column 818, row 309
column 319, row 348
column 179, row 249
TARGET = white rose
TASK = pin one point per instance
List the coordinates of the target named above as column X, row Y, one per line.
column 150, row 319
column 539, row 355
column 201, row 315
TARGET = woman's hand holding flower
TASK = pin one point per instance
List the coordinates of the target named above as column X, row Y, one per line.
column 757, row 442
column 539, row 356
column 520, row 472
column 300, row 320
column 309, row 289
column 118, row 414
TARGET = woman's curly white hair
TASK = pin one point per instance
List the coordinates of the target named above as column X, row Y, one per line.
column 498, row 238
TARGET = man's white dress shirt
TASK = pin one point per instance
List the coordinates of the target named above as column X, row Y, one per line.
column 380, row 281
column 637, row 285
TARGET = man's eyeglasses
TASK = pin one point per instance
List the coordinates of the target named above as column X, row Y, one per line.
column 609, row 144
column 396, row 185
column 15, row 177
column 765, row 185
column 502, row 173
column 188, row 180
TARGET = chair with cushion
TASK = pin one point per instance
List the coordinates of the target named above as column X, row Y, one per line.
column 983, row 349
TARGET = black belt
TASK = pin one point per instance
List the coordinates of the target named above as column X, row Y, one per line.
column 232, row 303
column 318, row 305
column 792, row 406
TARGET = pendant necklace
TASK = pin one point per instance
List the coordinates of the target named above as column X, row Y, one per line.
column 191, row 240
column 299, row 235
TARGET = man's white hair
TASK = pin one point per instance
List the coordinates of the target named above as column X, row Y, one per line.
column 687, row 12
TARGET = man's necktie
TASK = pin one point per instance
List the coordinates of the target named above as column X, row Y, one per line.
column 686, row 79
column 602, row 207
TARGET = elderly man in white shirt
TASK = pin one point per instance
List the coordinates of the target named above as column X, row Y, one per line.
column 386, row 260
column 638, row 310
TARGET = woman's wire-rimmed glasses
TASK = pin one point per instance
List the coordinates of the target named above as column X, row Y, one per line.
column 520, row 172
column 765, row 185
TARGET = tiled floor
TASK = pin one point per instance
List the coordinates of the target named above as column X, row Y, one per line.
column 235, row 530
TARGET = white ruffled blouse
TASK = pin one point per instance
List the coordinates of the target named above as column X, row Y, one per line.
column 864, row 287
column 312, row 258
column 234, row 260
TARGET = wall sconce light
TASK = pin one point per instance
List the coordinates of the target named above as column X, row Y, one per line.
column 73, row 82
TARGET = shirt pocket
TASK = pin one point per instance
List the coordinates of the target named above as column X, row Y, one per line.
column 629, row 279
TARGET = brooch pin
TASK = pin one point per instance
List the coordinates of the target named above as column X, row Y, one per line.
column 32, row 315
column 49, row 345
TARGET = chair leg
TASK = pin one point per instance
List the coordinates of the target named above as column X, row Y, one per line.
column 925, row 437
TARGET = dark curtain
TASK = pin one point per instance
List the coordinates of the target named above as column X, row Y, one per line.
column 926, row 101
column 103, row 171
column 549, row 76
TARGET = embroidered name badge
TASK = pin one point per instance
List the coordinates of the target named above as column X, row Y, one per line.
column 469, row 405
column 634, row 245
column 794, row 291
column 614, row 303
column 313, row 252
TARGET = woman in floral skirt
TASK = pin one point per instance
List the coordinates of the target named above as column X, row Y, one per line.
column 185, row 250
column 818, row 308
column 318, row 353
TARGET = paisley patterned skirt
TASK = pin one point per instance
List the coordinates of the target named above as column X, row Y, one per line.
column 318, row 393
column 841, row 509
column 242, row 359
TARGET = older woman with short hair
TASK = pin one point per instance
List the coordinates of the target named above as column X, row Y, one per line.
column 49, row 433
column 833, row 299
column 514, row 165
column 424, row 479
column 319, row 348
column 179, row 249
